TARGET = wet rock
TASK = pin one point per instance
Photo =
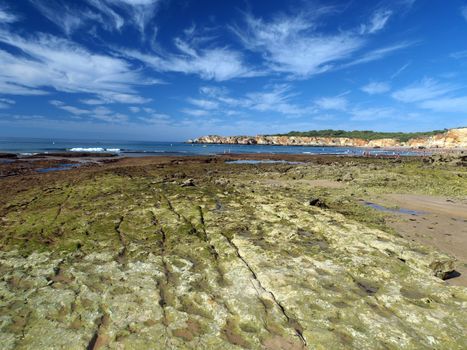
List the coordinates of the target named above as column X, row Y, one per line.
column 188, row 183
column 347, row 177
column 105, row 262
column 317, row 202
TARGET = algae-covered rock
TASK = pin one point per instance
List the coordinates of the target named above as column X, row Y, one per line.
column 113, row 262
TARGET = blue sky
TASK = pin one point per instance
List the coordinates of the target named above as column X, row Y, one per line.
column 170, row 70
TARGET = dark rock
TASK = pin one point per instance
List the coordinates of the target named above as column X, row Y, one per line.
column 317, row 202
column 188, row 183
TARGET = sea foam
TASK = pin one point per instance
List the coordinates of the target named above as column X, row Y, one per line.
column 94, row 149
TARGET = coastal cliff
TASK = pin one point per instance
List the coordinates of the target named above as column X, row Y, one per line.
column 453, row 138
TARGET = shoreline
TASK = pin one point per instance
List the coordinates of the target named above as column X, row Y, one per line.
column 398, row 151
column 13, row 166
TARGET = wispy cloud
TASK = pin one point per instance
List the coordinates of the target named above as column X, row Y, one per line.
column 140, row 11
column 274, row 98
column 107, row 115
column 212, row 63
column 6, row 103
column 6, row 16
column 205, row 104
column 423, row 90
column 112, row 97
column 292, row 44
column 100, row 113
column 400, row 70
column 459, row 54
column 48, row 61
column 156, row 119
column 378, row 54
column 464, row 12
column 112, row 20
column 108, row 14
column 196, row 112
column 67, row 17
column 375, row 87
column 377, row 22
column 446, row 105
column 338, row 103
column 70, row 109
column 373, row 113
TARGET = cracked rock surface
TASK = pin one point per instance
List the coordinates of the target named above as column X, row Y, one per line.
column 124, row 257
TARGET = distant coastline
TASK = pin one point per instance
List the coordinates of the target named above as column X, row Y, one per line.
column 447, row 139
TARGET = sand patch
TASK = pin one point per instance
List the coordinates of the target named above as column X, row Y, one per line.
column 442, row 224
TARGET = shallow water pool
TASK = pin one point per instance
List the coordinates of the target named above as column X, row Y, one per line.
column 60, row 167
column 263, row 161
column 391, row 210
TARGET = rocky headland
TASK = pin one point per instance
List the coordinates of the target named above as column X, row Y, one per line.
column 451, row 139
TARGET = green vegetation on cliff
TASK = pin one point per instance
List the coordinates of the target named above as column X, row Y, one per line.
column 363, row 134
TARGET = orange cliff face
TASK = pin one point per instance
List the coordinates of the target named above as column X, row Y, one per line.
column 454, row 138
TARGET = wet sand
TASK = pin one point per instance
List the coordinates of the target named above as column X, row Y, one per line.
column 441, row 224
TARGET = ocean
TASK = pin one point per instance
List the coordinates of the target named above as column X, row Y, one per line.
column 28, row 146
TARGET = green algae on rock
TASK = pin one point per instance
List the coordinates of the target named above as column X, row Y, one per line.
column 123, row 257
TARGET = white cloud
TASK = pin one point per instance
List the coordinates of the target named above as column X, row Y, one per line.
column 378, row 54
column 127, row 98
column 100, row 113
column 423, row 90
column 112, row 97
column 49, row 61
column 464, row 12
column 93, row 101
column 156, row 119
column 377, row 22
column 218, row 64
column 109, row 14
column 106, row 115
column 134, row 109
column 204, row 104
column 11, row 88
column 195, row 112
column 292, row 45
column 374, row 113
column 459, row 54
column 139, row 11
column 400, row 70
column 332, row 103
column 112, row 19
column 212, row 91
column 6, row 17
column 6, row 103
column 68, row 18
column 374, row 88
column 70, row 109
column 276, row 98
column 446, row 105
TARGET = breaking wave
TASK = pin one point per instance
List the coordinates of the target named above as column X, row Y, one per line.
column 94, row 149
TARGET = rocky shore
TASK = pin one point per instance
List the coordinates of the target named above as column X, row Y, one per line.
column 452, row 139
column 197, row 253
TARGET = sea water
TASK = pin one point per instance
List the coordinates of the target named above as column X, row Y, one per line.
column 27, row 146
